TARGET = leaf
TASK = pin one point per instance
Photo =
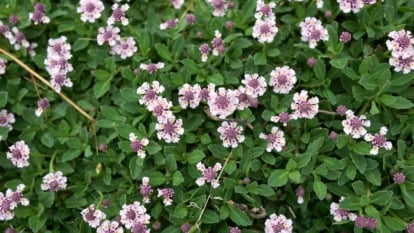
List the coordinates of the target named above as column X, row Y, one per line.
column 239, row 217
column 260, row 59
column 216, row 79
column 180, row 211
column 319, row 69
column 395, row 224
column 135, row 167
column 152, row 148
column 162, row 50
column 157, row 178
column 381, row 198
column 70, row 155
column 320, row 189
column 339, row 63
column 210, row 217
column 278, row 178
column 3, row 98
column 396, row 102
column 177, row 178
column 373, row 176
column 37, row 222
column 350, row 203
column 361, row 148
column 80, row 44
column 359, row 162
column 101, row 87
column 195, row 156
column 408, row 196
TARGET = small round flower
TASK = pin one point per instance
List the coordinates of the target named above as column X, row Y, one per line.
column 204, row 50
column 38, row 16
column 218, row 44
column 152, row 67
column 156, row 226
column 222, row 103
column 19, row 39
column 6, row 119
column 328, row 14
column 255, row 85
column 264, row 30
column 90, row 10
column 401, row 44
column 149, row 93
column 403, row 64
column 283, row 118
column 16, row 197
column 171, row 23
column 177, row 4
column 312, row 31
column 333, row 135
column 304, row 107
column 134, row 213
column 54, row 181
column 126, row 47
column 398, row 177
column 13, row 19
column 42, row 105
column 3, row 64
column 345, row 37
column 137, row 145
column 347, row 6
column 103, row 147
column 229, row 25
column 378, row 140
column 19, row 154
column 167, row 194
column 410, row 228
column 58, row 81
column 231, row 134
column 108, row 34
column 275, row 140
column 354, row 125
column 234, row 230
column 145, row 190
column 106, row 203
column 189, row 96
column 300, row 191
column 92, row 216
column 219, row 7
column 278, row 224
column 341, row 110
column 169, row 129
column 59, row 47
column 244, row 100
column 160, row 107
column 185, row 227
column 118, row 14
column 366, row 222
column 190, row 19
column 311, row 62
column 5, row 31
column 209, row 174
column 264, row 10
column 110, row 227
column 282, row 79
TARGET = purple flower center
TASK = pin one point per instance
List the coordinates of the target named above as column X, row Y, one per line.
column 282, row 79
column 125, row 46
column 90, row 7
column 253, row 83
column 278, row 227
column 379, row 140
column 17, row 154
column 304, row 106
column 40, row 7
column 118, row 14
column 243, row 98
column 264, row 29
column 60, row 79
column 136, row 146
column 5, row 205
column 37, row 16
column 43, row 103
column 231, row 133
column 356, row 123
column 152, row 68
column 57, row 48
column 90, row 216
column 209, row 174
column 266, row 10
column 145, row 190
column 218, row 4
column 131, row 214
column 204, row 93
column 315, row 34
column 169, row 128
column 217, row 42
column 284, row 117
column 150, row 95
column 4, row 29
column 108, row 35
column 404, row 42
column 158, row 110
column 204, row 49
column 272, row 138
column 222, row 102
column 139, row 228
column 168, row 193
column 188, row 96
column 405, row 61
column 16, row 196
column 19, row 37
column 54, row 185
column 3, row 120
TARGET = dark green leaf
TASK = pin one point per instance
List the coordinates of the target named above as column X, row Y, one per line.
column 239, row 217
column 320, row 189
column 3, row 98
column 278, row 178
column 396, row 102
column 339, row 63
column 381, row 198
column 210, row 217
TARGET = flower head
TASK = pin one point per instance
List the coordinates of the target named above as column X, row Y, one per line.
column 354, row 125
column 19, row 154
column 231, row 134
column 219, row 7
column 255, row 85
column 145, row 189
column 403, row 64
column 366, row 222
column 265, row 30
column 378, row 140
column 118, row 14
column 152, row 67
column 304, row 107
column 10, row 200
column 137, row 145
column 169, row 129
column 340, row 214
column 108, row 34
column 110, row 227
column 39, row 16
column 167, row 194
column 134, row 213
column 217, row 43
column 275, row 140
column 204, row 50
column 160, row 107
column 282, row 79
column 209, row 174
column 222, row 102
column 92, row 216
column 264, row 10
column 312, row 31
column 42, row 105
column 189, row 96
column 283, row 117
column 6, row 119
column 126, row 47
column 54, row 181
column 401, row 44
column 347, row 6
column 398, row 177
column 278, row 224
column 90, row 10
column 171, row 23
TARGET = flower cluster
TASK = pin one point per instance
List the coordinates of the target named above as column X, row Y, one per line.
column 93, row 216
column 265, row 28
column 303, row 106
column 277, row 224
column 366, row 222
column 6, row 119
column 57, row 63
column 17, row 38
column 152, row 67
column 10, row 200
column 355, row 6
column 54, row 181
column 167, row 194
column 134, row 215
column 218, row 47
column 90, row 10
column 145, row 190
column 354, row 125
column 137, row 145
column 110, row 226
column 254, row 85
column 118, row 14
column 402, row 50
column 189, row 96
column 230, row 134
column 219, row 7
column 39, row 16
column 18, row 154
column 282, row 79
column 42, row 105
column 168, row 127
column 171, row 23
column 340, row 214
column 3, row 65
column 378, row 140
column 209, row 174
column 275, row 140
column 312, row 31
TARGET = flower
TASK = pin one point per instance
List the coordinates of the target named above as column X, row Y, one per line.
column 189, row 96
column 410, row 228
column 19, row 154
column 312, row 31
column 275, row 140
column 3, row 66
column 10, row 200
column 145, row 190
column 110, row 227
column 217, row 43
column 125, row 47
column 278, row 224
column 401, row 44
column 304, row 107
column 54, row 181
column 300, row 191
column 341, row 110
column 38, row 16
column 169, row 129
column 347, row 6
column 118, row 14
column 42, row 105
column 185, row 227
column 378, row 140
column 264, row 10
column 177, row 4
column 230, row 134
column 59, row 47
column 149, row 93
column 160, row 107
column 152, row 67
column 366, row 222
column 190, row 19
column 340, row 214
column 354, row 125
column 108, row 34
column 171, row 23
column 7, row 119
column 204, row 50
column 265, row 30
column 222, row 102
column 167, row 194
column 234, row 230
column 209, row 174
column 398, row 177
column 59, row 80
column 282, row 79
column 255, row 85
column 345, row 37
column 219, row 7
column 134, row 213
column 403, row 64
column 18, row 39
column 137, row 145
column 92, row 216
column 283, row 118
column 244, row 100
column 90, row 10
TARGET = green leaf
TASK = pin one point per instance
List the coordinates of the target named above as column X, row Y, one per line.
column 395, row 224
column 239, row 217
column 319, row 69
column 396, row 102
column 152, row 148
column 350, row 203
column 278, row 178
column 260, row 59
column 339, row 63
column 70, row 155
column 373, row 176
column 180, row 211
column 135, row 167
column 3, row 98
column 177, row 178
column 80, row 44
column 47, row 139
column 359, row 162
column 157, row 178
column 262, row 189
column 37, row 222
column 162, row 50
column 320, row 189
column 210, row 217
column 361, row 148
column 381, row 198
column 216, row 79
column 408, row 195
column 195, row 156
column 101, row 87
column 231, row 167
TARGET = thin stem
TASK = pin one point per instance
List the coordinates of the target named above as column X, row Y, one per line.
column 327, row 112
column 52, row 160
column 35, row 85
column 101, row 197
column 364, row 108
column 47, row 83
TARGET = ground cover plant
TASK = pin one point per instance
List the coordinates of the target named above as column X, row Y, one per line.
column 206, row 116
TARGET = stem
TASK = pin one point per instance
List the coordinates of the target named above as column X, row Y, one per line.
column 47, row 83
column 327, row 112
column 196, row 225
column 101, row 197
column 364, row 108
column 52, row 160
